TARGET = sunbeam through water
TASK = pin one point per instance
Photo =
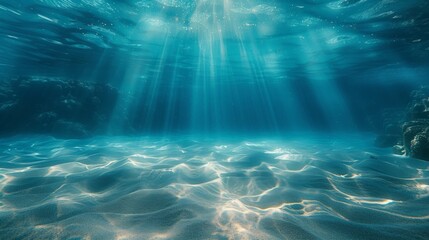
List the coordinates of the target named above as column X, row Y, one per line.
column 214, row 119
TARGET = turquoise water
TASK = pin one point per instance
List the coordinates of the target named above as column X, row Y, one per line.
column 329, row 187
column 211, row 119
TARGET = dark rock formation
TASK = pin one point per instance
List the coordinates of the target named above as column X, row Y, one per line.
column 420, row 145
column 63, row 108
column 414, row 138
column 411, row 129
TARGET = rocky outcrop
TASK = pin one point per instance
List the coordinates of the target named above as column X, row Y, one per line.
column 63, row 108
column 416, row 138
column 413, row 140
column 416, row 129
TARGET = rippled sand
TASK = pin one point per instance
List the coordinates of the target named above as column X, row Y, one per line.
column 158, row 188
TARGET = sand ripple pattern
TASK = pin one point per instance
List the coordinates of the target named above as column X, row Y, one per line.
column 179, row 188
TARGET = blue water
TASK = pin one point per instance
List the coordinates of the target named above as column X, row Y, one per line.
column 209, row 119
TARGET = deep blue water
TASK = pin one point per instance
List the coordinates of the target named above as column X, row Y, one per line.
column 209, row 119
column 227, row 65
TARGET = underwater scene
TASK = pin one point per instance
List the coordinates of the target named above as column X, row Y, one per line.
column 214, row 119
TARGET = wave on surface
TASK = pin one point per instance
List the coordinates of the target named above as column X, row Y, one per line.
column 156, row 188
column 48, row 32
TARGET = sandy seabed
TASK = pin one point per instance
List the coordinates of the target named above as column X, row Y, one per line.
column 312, row 187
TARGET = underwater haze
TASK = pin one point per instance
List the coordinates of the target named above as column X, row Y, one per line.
column 214, row 119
